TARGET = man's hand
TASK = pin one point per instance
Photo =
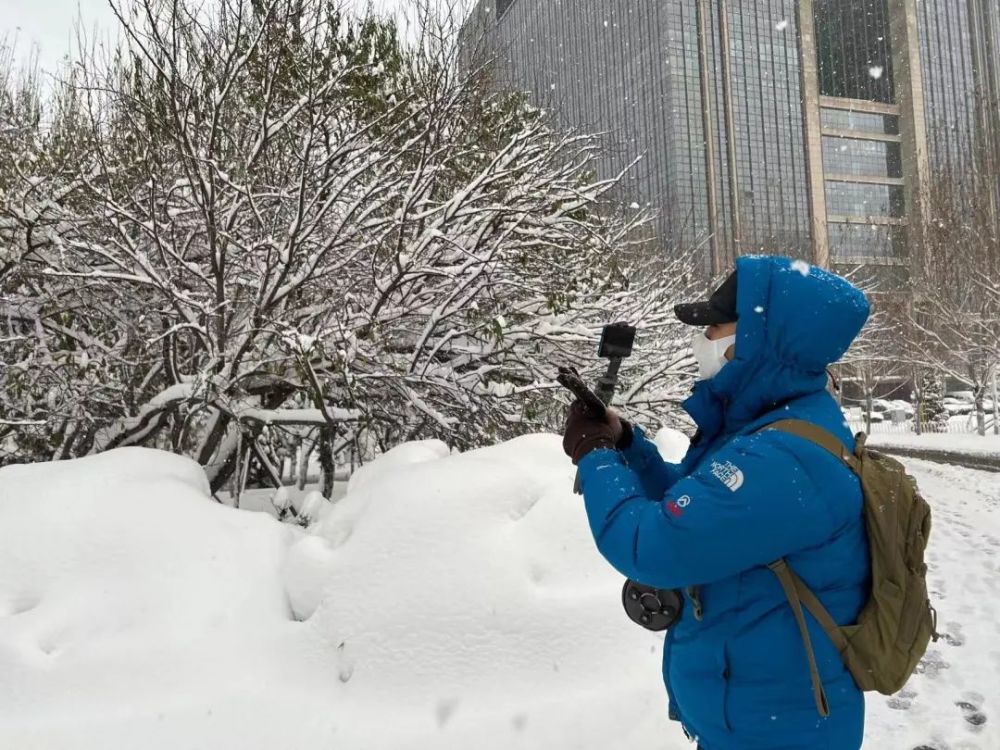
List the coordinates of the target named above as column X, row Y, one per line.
column 616, row 423
column 586, row 431
column 622, row 429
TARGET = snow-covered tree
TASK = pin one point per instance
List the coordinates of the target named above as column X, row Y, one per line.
column 878, row 354
column 47, row 379
column 277, row 230
column 956, row 309
column 931, row 414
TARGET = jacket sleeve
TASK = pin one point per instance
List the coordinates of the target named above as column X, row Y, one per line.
column 746, row 505
column 643, row 457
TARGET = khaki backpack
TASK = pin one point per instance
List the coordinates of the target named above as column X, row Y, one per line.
column 883, row 648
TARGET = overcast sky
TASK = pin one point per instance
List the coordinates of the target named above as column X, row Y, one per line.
column 49, row 24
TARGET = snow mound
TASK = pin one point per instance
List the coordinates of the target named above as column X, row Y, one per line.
column 400, row 456
column 121, row 582
column 460, row 595
column 106, row 545
column 448, row 601
column 467, row 590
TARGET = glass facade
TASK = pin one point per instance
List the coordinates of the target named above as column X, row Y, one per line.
column 865, row 243
column 601, row 67
column 960, row 48
column 502, row 6
column 864, row 122
column 852, row 38
column 860, row 126
column 945, row 46
column 863, row 200
column 633, row 70
column 769, row 185
column 687, row 170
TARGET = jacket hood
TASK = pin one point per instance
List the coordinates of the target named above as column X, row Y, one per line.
column 794, row 320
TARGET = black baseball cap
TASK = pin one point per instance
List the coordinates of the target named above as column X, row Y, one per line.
column 719, row 308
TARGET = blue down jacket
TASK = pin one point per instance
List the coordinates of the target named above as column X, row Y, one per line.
column 738, row 679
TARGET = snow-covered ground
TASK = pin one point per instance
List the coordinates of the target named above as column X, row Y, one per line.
column 988, row 445
column 448, row 601
column 952, row 704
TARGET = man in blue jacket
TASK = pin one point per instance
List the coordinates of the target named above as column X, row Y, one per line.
column 734, row 664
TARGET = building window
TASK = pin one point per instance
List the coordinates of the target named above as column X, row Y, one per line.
column 861, row 158
column 863, row 200
column 859, row 243
column 852, row 48
column 866, row 122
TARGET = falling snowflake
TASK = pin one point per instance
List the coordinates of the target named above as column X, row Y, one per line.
column 634, row 206
column 758, row 309
column 782, row 24
column 801, row 266
column 875, row 71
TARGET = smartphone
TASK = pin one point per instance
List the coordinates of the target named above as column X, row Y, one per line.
column 570, row 379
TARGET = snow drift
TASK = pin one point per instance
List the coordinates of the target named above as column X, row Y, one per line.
column 448, row 599
column 464, row 591
column 132, row 607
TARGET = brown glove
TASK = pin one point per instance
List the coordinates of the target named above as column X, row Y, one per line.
column 586, row 431
column 625, row 435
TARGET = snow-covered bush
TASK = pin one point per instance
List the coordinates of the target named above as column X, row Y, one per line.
column 279, row 226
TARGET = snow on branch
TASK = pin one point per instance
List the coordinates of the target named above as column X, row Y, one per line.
column 273, row 216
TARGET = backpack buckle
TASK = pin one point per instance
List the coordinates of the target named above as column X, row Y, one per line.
column 695, row 596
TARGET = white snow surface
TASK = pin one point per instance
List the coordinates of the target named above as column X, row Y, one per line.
column 802, row 267
column 447, row 601
column 988, row 445
column 671, row 443
column 134, row 611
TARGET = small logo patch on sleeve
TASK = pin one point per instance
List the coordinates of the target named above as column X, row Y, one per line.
column 676, row 507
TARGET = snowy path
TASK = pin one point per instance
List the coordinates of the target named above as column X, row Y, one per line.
column 954, row 702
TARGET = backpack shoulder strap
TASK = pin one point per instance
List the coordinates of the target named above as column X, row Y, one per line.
column 816, row 434
column 796, row 591
column 790, row 583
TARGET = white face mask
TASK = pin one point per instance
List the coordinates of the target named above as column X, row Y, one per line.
column 711, row 355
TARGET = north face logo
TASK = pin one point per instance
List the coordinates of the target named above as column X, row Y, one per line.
column 728, row 473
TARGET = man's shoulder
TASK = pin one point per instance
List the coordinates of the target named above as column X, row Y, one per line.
column 776, row 451
column 772, row 451
column 819, row 409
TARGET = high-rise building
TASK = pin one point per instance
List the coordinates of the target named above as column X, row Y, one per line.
column 804, row 127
